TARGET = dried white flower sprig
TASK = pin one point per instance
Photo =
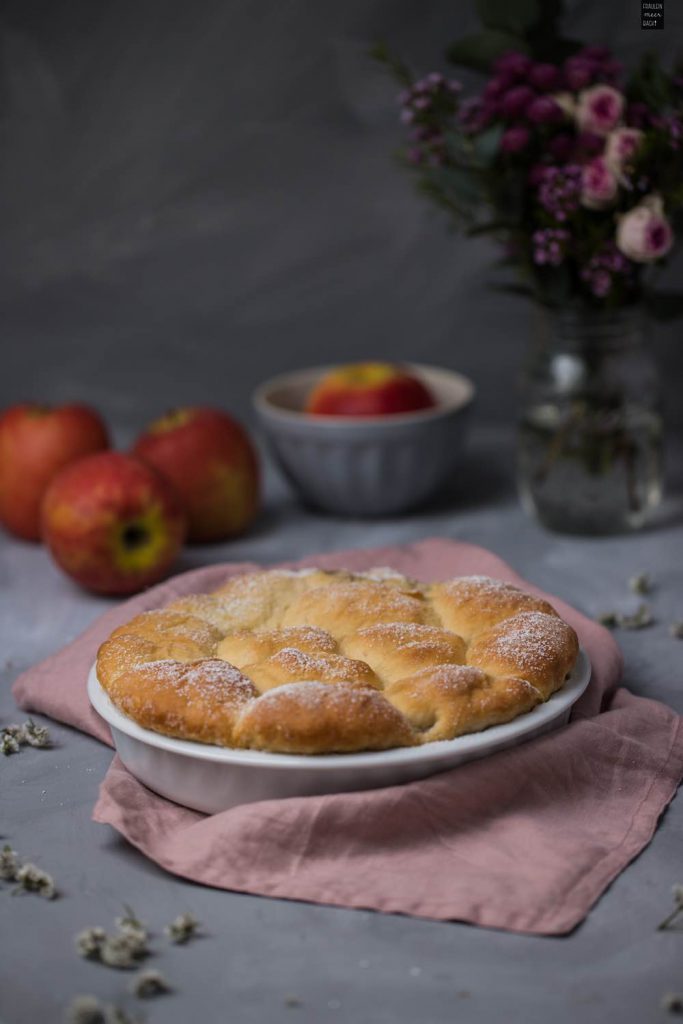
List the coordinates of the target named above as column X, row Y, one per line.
column 641, row 583
column 672, row 1002
column 89, row 1010
column 12, row 737
column 9, row 744
column 123, row 950
column 182, row 929
column 28, row 877
column 148, row 984
column 34, row 879
column 638, row 619
column 677, row 893
column 9, row 863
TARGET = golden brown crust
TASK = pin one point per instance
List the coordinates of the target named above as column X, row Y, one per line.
column 343, row 608
column 200, row 701
column 469, row 604
column 532, row 645
column 397, row 649
column 312, row 718
column 249, row 647
column 452, row 700
column 291, row 666
column 320, row 662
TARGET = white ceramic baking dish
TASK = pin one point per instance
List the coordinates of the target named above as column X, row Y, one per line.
column 211, row 779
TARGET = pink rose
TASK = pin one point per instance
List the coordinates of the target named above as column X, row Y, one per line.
column 644, row 234
column 598, row 184
column 599, row 109
column 622, row 144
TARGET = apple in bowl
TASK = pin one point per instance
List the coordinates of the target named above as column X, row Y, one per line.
column 369, row 389
column 112, row 523
column 36, row 442
column 366, row 464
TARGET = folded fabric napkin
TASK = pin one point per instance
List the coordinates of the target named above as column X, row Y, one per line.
column 526, row 839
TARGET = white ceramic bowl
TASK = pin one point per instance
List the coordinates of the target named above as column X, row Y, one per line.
column 365, row 465
column 213, row 779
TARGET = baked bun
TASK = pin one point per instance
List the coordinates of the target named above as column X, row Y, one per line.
column 317, row 662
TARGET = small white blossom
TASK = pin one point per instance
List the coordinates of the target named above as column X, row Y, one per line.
column 119, row 951
column 33, row 879
column 148, row 984
column 86, row 1010
column 9, row 863
column 35, row 735
column 9, row 744
column 183, row 928
column 672, row 1002
column 89, row 942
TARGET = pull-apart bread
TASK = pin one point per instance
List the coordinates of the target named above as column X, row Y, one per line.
column 316, row 662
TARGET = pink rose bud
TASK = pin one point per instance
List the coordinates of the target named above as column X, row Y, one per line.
column 644, row 234
column 598, row 185
column 515, row 139
column 599, row 109
column 622, row 145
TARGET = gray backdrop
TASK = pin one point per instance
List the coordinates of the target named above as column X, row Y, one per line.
column 203, row 193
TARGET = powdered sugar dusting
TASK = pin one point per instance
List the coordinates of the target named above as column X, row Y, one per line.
column 533, row 640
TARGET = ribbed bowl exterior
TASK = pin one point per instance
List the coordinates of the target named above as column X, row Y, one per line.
column 365, row 467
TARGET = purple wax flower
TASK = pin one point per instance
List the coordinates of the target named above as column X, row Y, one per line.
column 605, row 265
column 515, row 139
column 560, row 191
column 544, row 110
column 544, row 77
column 514, row 102
column 550, row 246
column 475, row 114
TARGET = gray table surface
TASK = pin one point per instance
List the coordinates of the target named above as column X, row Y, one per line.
column 264, row 960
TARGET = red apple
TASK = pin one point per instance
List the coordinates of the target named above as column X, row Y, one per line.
column 112, row 523
column 36, row 441
column 213, row 466
column 368, row 389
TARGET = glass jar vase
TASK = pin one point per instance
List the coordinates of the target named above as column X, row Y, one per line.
column 589, row 454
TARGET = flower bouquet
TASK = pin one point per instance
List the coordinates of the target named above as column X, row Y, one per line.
column 576, row 169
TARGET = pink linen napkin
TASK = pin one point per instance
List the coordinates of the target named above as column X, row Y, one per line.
column 525, row 840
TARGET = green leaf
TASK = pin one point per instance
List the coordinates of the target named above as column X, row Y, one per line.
column 516, row 16
column 664, row 305
column 479, row 51
column 487, row 144
column 380, row 52
column 650, row 83
column 458, row 182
